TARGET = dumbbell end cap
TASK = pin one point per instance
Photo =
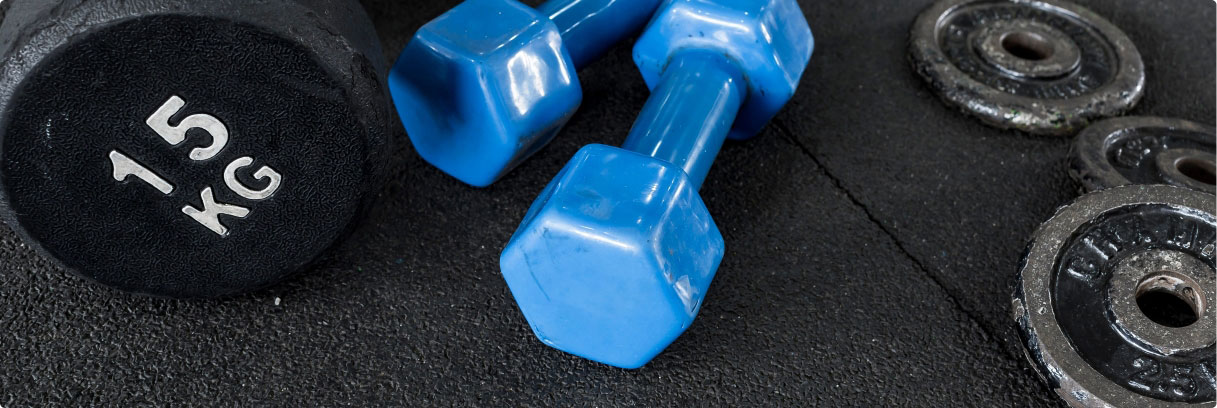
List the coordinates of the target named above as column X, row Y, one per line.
column 483, row 87
column 613, row 260
column 770, row 40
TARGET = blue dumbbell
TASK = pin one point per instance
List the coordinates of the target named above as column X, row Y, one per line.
column 613, row 260
column 487, row 84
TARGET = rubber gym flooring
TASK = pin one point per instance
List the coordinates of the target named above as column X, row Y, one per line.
column 872, row 238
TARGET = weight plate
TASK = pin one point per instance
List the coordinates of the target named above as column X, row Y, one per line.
column 1144, row 150
column 189, row 148
column 1115, row 298
column 1041, row 66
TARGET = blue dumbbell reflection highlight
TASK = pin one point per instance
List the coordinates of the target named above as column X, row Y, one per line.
column 487, row 84
column 614, row 258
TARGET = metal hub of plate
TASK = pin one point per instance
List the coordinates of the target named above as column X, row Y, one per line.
column 1115, row 298
column 1027, row 49
column 1047, row 67
column 1144, row 150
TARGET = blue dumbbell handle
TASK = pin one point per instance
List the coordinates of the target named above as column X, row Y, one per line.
column 590, row 27
column 690, row 111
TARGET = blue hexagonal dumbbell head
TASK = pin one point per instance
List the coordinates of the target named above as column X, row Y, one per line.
column 613, row 260
column 484, row 86
column 769, row 39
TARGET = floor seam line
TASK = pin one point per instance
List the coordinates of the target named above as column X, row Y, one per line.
column 900, row 246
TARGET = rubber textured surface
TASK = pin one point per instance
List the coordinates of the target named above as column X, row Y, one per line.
column 285, row 91
column 873, row 237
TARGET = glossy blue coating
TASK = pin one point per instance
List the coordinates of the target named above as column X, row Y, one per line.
column 488, row 83
column 483, row 86
column 687, row 117
column 590, row 27
column 613, row 259
column 770, row 40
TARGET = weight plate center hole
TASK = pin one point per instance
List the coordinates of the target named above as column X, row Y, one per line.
column 1028, row 45
column 1170, row 299
column 1198, row 168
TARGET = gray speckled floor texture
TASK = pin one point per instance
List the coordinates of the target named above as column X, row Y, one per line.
column 872, row 236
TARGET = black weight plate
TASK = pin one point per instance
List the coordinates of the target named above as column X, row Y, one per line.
column 1115, row 298
column 1144, row 150
column 1041, row 66
column 78, row 96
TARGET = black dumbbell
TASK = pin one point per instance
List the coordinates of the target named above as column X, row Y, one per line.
column 189, row 148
